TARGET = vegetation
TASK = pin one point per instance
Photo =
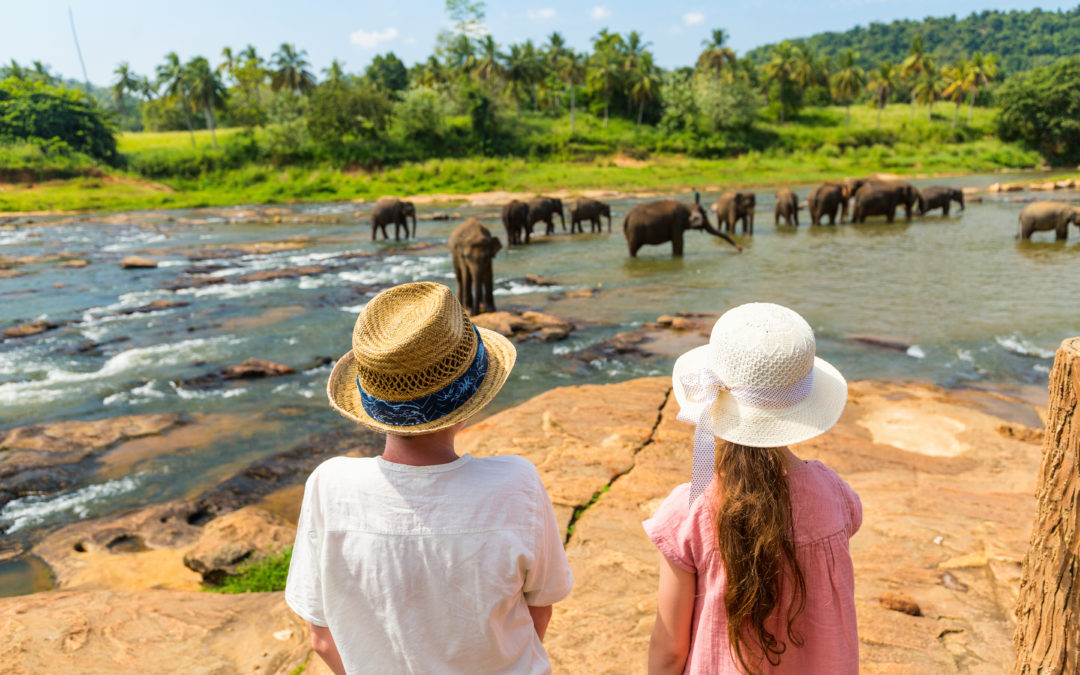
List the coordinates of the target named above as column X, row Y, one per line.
column 56, row 118
column 261, row 576
column 1041, row 109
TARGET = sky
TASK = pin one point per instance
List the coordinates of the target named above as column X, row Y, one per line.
column 141, row 32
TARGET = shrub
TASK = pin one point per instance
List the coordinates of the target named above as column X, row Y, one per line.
column 33, row 111
column 1041, row 109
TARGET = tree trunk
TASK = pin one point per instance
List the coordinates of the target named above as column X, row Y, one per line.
column 640, row 112
column 847, row 107
column 913, row 106
column 606, row 102
column 971, row 108
column 187, row 118
column 573, row 109
column 879, row 109
column 1047, row 638
column 930, row 110
column 956, row 114
column 210, row 123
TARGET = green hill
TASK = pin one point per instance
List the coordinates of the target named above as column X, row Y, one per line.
column 1021, row 39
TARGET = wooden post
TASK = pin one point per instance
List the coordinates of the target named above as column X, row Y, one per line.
column 1047, row 639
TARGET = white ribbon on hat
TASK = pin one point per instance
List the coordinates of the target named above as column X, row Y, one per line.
column 702, row 388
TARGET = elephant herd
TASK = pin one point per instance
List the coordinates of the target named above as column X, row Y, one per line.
column 863, row 197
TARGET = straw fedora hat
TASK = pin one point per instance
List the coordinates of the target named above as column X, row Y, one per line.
column 417, row 363
column 764, row 382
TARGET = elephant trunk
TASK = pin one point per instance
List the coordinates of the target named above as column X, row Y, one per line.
column 960, row 199
column 717, row 233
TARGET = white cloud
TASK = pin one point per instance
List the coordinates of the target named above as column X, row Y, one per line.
column 370, row 40
column 693, row 18
column 600, row 12
column 541, row 14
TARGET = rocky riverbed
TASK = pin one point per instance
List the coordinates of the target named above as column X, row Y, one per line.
column 946, row 478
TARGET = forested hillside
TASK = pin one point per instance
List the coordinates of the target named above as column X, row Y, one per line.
column 1021, row 39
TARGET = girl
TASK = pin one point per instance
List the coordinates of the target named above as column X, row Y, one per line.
column 756, row 575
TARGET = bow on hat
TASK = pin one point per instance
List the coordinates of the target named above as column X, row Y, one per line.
column 702, row 388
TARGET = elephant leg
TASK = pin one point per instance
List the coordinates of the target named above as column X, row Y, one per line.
column 460, row 282
column 1061, row 233
column 374, row 230
column 751, row 222
column 489, row 288
column 478, row 288
column 945, row 210
column 843, row 211
column 677, row 245
column 467, row 285
column 890, row 215
column 630, row 244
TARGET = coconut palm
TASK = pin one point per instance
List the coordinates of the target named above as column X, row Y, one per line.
column 882, row 84
column 572, row 71
column 551, row 58
column 981, row 70
column 207, row 90
column 928, row 87
column 228, row 63
column 847, row 82
column 335, row 73
column 147, row 88
column 290, row 70
column 957, row 83
column 917, row 62
column 717, row 55
column 172, row 78
column 644, row 83
column 606, row 66
column 781, row 70
column 488, row 65
column 518, row 72
column 126, row 81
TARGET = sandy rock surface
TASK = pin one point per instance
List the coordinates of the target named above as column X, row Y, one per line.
column 29, row 329
column 227, row 542
column 527, row 325
column 135, row 262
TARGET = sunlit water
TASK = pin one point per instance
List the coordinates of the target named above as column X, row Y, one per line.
column 979, row 308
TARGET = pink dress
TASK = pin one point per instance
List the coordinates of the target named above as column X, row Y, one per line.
column 826, row 513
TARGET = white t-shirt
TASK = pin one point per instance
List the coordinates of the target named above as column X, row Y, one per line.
column 428, row 569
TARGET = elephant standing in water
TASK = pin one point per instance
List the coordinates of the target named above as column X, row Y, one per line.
column 544, row 209
column 826, row 200
column 666, row 220
column 392, row 210
column 473, row 248
column 1045, row 216
column 880, row 198
column 939, row 198
column 787, row 206
column 515, row 218
column 734, row 206
column 591, row 210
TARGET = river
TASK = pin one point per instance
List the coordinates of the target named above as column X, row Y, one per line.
column 978, row 308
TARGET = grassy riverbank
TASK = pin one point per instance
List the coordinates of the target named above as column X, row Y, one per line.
column 620, row 157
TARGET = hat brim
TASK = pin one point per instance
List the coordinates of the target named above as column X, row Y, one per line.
column 753, row 426
column 344, row 395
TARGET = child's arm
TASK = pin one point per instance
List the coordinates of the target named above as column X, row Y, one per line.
column 323, row 644
column 670, row 643
column 540, row 616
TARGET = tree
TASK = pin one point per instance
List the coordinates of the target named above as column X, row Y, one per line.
column 42, row 73
column 388, row 72
column 847, row 82
column 173, row 79
column 290, row 70
column 572, row 70
column 882, row 84
column 606, row 66
column 917, row 63
column 488, row 65
column 228, row 63
column 1041, row 109
column 126, row 81
column 634, row 47
column 982, row 69
column 519, row 73
column 335, row 72
column 957, row 83
column 207, row 90
column 928, row 87
column 717, row 56
column 644, row 83
column 13, row 69
column 780, row 70
column 34, row 111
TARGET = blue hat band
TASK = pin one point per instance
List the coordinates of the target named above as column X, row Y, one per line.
column 433, row 406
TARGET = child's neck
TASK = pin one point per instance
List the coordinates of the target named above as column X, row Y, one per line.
column 426, row 450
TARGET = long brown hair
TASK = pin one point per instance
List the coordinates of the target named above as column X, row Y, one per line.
column 757, row 543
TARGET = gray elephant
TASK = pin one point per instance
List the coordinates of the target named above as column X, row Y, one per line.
column 473, row 248
column 787, row 206
column 653, row 223
column 731, row 207
column 1045, row 216
column 392, row 210
column 827, row 200
column 544, row 209
column 515, row 218
column 591, row 210
column 939, row 198
column 881, row 198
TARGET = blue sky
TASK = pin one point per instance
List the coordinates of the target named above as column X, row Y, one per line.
column 142, row 31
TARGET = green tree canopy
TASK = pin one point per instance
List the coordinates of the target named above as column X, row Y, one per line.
column 1041, row 109
column 31, row 110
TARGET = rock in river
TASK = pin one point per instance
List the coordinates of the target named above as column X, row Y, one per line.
column 134, row 262
column 32, row 328
column 248, row 370
column 527, row 325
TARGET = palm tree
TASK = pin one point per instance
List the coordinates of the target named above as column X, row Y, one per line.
column 928, row 87
column 13, row 69
column 517, row 69
column 781, row 70
column 572, row 70
column 914, row 65
column 633, row 49
column 228, row 65
column 147, row 88
column 847, row 82
column 957, row 83
column 126, row 81
column 644, row 83
column 982, row 70
column 290, row 70
column 172, row 76
column 207, row 89
column 534, row 69
column 552, row 55
column 488, row 67
column 607, row 66
column 335, row 73
column 882, row 84
column 717, row 54
column 39, row 71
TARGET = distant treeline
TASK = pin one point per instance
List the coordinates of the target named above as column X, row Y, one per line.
column 1022, row 39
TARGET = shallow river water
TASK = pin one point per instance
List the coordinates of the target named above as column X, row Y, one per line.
column 977, row 307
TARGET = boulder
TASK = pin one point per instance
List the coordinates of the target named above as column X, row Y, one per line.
column 236, row 538
column 31, row 328
column 898, row 602
column 134, row 262
column 1005, row 187
column 288, row 273
column 537, row 280
column 525, row 325
column 77, row 263
column 1048, row 186
column 256, row 368
column 154, row 306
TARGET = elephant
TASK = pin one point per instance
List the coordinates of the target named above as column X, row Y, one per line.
column 666, row 220
column 392, row 210
column 826, row 200
column 591, row 210
column 881, row 198
column 515, row 217
column 939, row 198
column 787, row 205
column 544, row 209
column 731, row 207
column 1044, row 216
column 473, row 248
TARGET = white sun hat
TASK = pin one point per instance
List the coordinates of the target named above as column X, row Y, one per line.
column 757, row 383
